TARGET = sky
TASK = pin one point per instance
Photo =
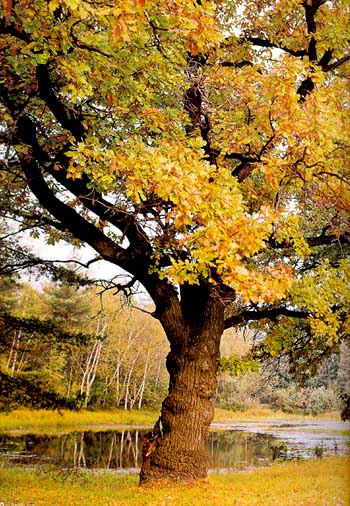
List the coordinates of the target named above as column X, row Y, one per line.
column 98, row 270
column 64, row 251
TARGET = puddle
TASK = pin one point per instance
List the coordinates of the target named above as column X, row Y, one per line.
column 232, row 446
column 301, row 439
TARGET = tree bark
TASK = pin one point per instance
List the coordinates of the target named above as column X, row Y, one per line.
column 177, row 447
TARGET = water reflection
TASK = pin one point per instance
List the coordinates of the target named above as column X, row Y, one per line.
column 236, row 449
column 122, row 450
column 109, row 450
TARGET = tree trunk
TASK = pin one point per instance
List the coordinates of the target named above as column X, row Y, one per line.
column 177, row 447
column 12, row 360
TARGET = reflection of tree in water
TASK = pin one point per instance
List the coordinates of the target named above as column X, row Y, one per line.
column 110, row 450
column 123, row 449
column 27, row 448
column 79, row 459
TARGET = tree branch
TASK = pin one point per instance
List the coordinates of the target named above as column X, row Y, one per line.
column 270, row 314
column 70, row 219
column 320, row 240
column 81, row 45
column 94, row 201
column 258, row 41
column 244, row 168
column 66, row 118
column 236, row 65
column 336, row 64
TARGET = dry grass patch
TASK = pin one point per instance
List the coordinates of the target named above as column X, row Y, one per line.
column 51, row 421
column 312, row 483
column 47, row 421
column 262, row 413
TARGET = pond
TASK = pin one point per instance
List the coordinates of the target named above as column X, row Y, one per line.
column 231, row 446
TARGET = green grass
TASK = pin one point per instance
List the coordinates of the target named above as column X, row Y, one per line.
column 306, row 483
column 262, row 413
column 336, row 432
column 54, row 421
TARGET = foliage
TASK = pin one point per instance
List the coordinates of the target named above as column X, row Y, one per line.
column 121, row 367
column 31, row 348
column 239, row 394
column 253, row 391
column 235, row 365
column 275, row 384
column 46, row 329
column 186, row 125
column 30, row 392
column 309, row 401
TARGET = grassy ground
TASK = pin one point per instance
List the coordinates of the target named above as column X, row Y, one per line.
column 305, row 483
column 53, row 421
column 259, row 413
column 322, row 431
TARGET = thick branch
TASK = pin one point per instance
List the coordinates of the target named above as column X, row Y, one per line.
column 258, row 41
column 269, row 314
column 320, row 240
column 91, row 199
column 310, row 11
column 95, row 202
column 245, row 167
column 336, row 64
column 71, row 220
column 67, row 118
column 236, row 65
column 196, row 104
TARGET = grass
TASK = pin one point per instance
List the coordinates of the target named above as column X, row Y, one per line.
column 262, row 413
column 322, row 431
column 306, row 483
column 56, row 421
column 53, row 421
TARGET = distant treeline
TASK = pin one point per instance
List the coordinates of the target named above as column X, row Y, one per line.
column 62, row 346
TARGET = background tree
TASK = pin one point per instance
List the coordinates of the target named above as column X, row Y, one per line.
column 245, row 383
column 32, row 350
column 116, row 360
column 202, row 147
column 71, row 311
column 133, row 358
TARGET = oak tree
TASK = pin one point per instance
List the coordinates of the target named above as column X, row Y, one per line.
column 203, row 147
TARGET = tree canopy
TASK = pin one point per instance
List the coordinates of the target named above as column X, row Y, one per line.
column 202, row 146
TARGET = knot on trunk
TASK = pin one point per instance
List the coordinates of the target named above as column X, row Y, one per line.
column 151, row 440
column 149, row 444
